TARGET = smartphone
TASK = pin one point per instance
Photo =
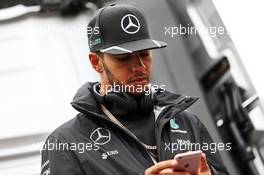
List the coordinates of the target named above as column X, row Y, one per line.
column 189, row 161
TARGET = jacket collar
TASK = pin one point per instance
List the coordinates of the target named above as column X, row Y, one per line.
column 84, row 100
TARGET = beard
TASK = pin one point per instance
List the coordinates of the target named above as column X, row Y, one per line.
column 110, row 77
column 121, row 87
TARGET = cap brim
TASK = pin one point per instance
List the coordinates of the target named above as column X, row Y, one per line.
column 134, row 46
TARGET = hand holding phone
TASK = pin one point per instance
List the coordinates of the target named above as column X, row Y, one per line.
column 189, row 161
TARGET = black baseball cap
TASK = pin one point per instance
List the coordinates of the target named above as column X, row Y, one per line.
column 120, row 29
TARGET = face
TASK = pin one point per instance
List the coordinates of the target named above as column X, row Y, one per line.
column 133, row 71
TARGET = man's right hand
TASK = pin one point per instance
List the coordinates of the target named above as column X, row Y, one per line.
column 164, row 168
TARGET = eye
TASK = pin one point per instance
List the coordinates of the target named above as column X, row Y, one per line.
column 122, row 57
column 144, row 53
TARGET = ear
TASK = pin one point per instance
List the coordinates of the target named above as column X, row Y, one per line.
column 95, row 62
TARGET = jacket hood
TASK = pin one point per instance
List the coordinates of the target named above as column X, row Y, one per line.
column 85, row 102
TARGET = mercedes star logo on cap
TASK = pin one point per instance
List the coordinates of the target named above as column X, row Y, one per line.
column 122, row 29
column 130, row 24
column 100, row 136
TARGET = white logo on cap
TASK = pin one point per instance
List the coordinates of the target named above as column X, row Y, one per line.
column 130, row 24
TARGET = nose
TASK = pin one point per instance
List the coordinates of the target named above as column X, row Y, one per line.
column 140, row 60
column 139, row 64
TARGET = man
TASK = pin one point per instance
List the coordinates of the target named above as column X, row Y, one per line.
column 125, row 125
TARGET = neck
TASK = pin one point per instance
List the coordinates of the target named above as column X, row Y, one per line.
column 102, row 89
column 103, row 85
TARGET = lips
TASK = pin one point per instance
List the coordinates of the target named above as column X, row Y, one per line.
column 139, row 79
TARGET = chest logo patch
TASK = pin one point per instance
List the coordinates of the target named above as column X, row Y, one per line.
column 173, row 124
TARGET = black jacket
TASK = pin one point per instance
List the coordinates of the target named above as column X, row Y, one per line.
column 90, row 144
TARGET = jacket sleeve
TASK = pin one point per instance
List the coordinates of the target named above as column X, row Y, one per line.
column 212, row 154
column 56, row 161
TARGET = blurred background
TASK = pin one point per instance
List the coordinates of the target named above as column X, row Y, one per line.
column 44, row 60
